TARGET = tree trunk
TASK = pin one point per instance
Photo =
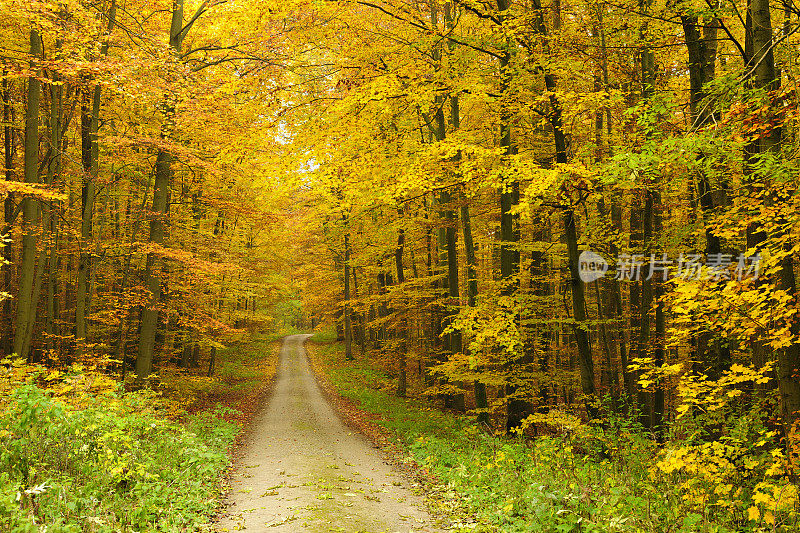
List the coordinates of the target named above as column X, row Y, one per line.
column 53, row 171
column 761, row 64
column 702, row 52
column 479, row 388
column 90, row 120
column 658, row 351
column 123, row 326
column 621, row 330
column 26, row 312
column 402, row 333
column 144, row 358
column 580, row 327
column 163, row 175
column 447, row 232
column 509, row 230
column 212, row 361
column 196, row 352
column 348, row 328
column 89, row 124
column 362, row 328
column 651, row 199
column 7, row 336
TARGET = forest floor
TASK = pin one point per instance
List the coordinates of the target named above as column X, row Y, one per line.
column 302, row 469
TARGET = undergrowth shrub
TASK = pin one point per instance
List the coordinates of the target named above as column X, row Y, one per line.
column 111, row 465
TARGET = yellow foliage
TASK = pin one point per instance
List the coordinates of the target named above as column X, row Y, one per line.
column 562, row 421
column 753, row 513
column 707, row 474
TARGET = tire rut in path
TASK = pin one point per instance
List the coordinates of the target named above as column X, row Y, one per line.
column 303, row 470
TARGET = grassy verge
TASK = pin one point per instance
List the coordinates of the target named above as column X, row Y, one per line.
column 79, row 455
column 243, row 377
column 578, row 479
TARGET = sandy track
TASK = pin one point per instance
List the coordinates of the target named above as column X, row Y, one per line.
column 303, row 470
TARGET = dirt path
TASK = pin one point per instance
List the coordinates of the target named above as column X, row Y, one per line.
column 303, row 470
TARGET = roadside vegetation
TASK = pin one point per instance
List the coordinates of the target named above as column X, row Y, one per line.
column 78, row 453
column 560, row 474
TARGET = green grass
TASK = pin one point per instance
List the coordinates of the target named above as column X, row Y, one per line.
column 113, row 465
column 587, row 480
column 324, row 335
column 240, row 369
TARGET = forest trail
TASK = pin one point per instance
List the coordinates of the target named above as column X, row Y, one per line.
column 303, row 470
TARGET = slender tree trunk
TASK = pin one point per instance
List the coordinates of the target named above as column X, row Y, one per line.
column 454, row 342
column 212, row 361
column 433, row 323
column 606, row 150
column 447, row 232
column 479, row 388
column 186, row 351
column 759, row 51
column 196, row 351
column 144, row 358
column 635, row 297
column 382, row 310
column 123, row 321
column 403, row 320
column 651, row 201
column 7, row 337
column 658, row 350
column 26, row 312
column 45, row 210
column 163, row 176
column 53, row 172
column 702, row 52
column 509, row 229
column 35, row 294
column 90, row 120
column 621, row 330
column 362, row 328
column 348, row 329
column 646, row 302
column 89, row 123
column 580, row 327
